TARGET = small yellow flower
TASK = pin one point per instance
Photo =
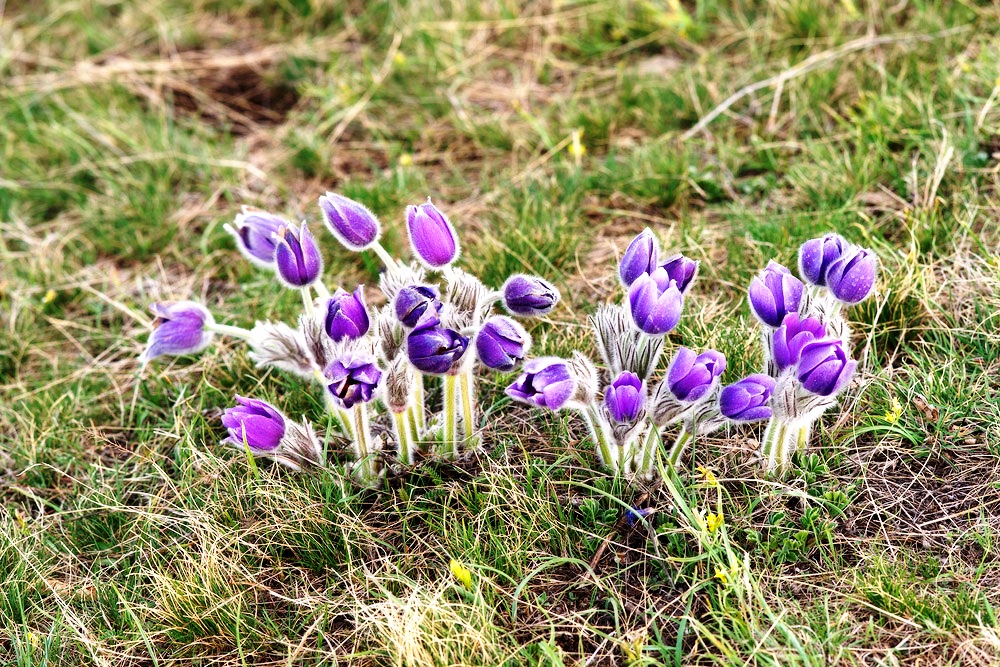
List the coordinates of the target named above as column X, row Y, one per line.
column 708, row 475
column 405, row 160
column 722, row 576
column 49, row 297
column 399, row 58
column 576, row 148
column 894, row 412
column 713, row 521
column 461, row 573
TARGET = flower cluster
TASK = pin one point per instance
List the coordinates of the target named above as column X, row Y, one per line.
column 372, row 363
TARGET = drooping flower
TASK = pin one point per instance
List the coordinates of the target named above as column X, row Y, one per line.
column 350, row 222
column 414, row 301
column 297, row 256
column 255, row 232
column 435, row 349
column 529, row 296
column 431, row 234
column 692, row 376
column 747, row 400
column 793, row 334
column 681, row 270
column 180, row 327
column 546, row 382
column 254, row 422
column 502, row 343
column 852, row 276
column 655, row 303
column 346, row 315
column 824, row 367
column 816, row 256
column 775, row 293
column 639, row 258
column 625, row 397
column 353, row 379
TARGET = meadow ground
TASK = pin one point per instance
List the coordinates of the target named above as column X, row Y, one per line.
column 131, row 132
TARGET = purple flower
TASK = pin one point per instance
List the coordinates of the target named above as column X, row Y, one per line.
column 655, row 303
column 529, row 296
column 435, row 349
column 852, row 276
column 351, row 222
column 254, row 232
column 433, row 238
column 255, row 422
column 353, row 379
column 789, row 339
column 625, row 397
column 691, row 376
column 682, row 270
column 546, row 382
column 346, row 315
column 824, row 367
column 501, row 343
column 816, row 256
column 180, row 327
column 297, row 256
column 747, row 400
column 413, row 301
column 639, row 257
column 775, row 293
column 634, row 515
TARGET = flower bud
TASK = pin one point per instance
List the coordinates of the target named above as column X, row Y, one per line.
column 852, row 276
column 691, row 377
column 681, row 270
column 346, row 315
column 639, row 257
column 254, row 232
column 502, row 343
column 297, row 256
column 655, row 303
column 546, row 382
column 775, row 293
column 816, row 256
column 258, row 424
column 529, row 296
column 433, row 238
column 351, row 222
column 824, row 368
column 180, row 327
column 789, row 339
column 413, row 301
column 625, row 397
column 747, row 400
column 435, row 349
column 353, row 379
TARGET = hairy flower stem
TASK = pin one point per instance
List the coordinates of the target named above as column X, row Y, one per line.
column 684, row 438
column 307, row 302
column 802, row 436
column 383, row 255
column 418, row 400
column 596, row 425
column 775, row 450
column 650, row 443
column 227, row 330
column 412, row 424
column 468, row 392
column 401, row 424
column 321, row 290
column 362, row 444
column 449, row 446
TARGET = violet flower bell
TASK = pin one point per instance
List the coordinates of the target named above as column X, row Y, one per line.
column 625, row 397
column 816, row 256
column 747, row 400
column 545, row 382
column 529, row 296
column 682, row 270
column 414, row 301
column 691, row 376
column 351, row 222
column 502, row 343
column 432, row 236
column 346, row 315
column 639, row 258
column 297, row 256
column 655, row 303
column 180, row 327
column 435, row 349
column 353, row 379
column 256, row 423
column 824, row 367
column 255, row 232
column 852, row 276
column 775, row 293
column 793, row 334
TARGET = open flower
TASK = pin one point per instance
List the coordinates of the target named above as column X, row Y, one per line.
column 529, row 296
column 824, row 367
column 639, row 258
column 852, row 276
column 546, row 382
column 502, row 343
column 775, row 293
column 655, row 303
column 433, row 238
column 254, row 422
column 816, row 256
column 625, row 397
column 747, row 400
column 346, row 315
column 353, row 379
column 297, row 256
column 414, row 301
column 793, row 334
column 255, row 232
column 351, row 222
column 180, row 327
column 435, row 349
column 692, row 376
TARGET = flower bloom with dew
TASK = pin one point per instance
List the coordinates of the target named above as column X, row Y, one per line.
column 639, row 258
column 692, row 376
column 433, row 238
column 824, row 368
column 353, row 379
column 435, row 349
column 529, row 296
column 254, row 422
column 414, row 301
column 180, row 327
column 625, row 397
column 502, row 343
column 681, row 270
column 852, row 276
column 747, row 400
column 297, row 256
column 545, row 382
column 655, row 303
column 255, row 232
column 346, row 315
column 350, row 222
column 792, row 336
column 816, row 256
column 775, row 293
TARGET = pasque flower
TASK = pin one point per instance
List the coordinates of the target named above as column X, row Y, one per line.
column 297, row 256
column 435, row 349
column 255, row 232
column 681, row 270
column 414, row 301
column 793, row 334
column 254, row 422
column 655, row 303
column 433, row 238
column 692, row 376
column 346, row 315
column 351, row 222
column 625, row 397
column 775, row 293
column 501, row 343
column 816, row 256
column 180, row 327
column 353, row 379
column 852, row 276
column 529, row 296
column 639, row 258
column 546, row 382
column 824, row 367
column 747, row 400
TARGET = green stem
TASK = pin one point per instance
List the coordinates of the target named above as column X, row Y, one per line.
column 774, row 450
column 362, row 439
column 680, row 444
column 383, row 255
column 227, row 330
column 650, row 444
column 307, row 302
column 401, row 422
column 321, row 290
column 450, row 443
column 596, row 425
column 411, row 422
column 468, row 391
column 418, row 400
column 802, row 437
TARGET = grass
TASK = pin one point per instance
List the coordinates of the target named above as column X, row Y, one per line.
column 130, row 133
